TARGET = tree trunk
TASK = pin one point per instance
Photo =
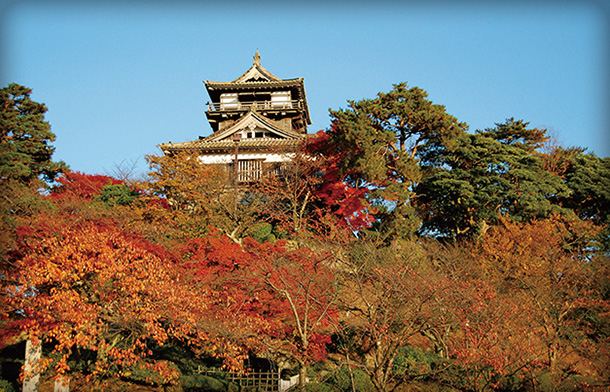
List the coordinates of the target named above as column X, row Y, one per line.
column 553, row 357
column 302, row 376
column 378, row 381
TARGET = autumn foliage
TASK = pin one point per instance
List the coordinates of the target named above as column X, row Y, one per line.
column 81, row 185
column 396, row 252
column 96, row 288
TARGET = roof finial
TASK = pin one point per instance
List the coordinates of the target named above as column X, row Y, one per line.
column 257, row 58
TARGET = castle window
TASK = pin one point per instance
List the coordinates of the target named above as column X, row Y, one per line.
column 281, row 99
column 228, row 101
column 249, row 170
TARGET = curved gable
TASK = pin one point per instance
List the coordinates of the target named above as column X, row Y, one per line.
column 253, row 122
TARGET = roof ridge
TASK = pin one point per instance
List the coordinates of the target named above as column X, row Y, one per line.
column 256, row 71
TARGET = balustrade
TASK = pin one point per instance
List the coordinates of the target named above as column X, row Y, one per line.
column 258, row 105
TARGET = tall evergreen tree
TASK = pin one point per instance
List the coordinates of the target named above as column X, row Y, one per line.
column 589, row 183
column 379, row 143
column 25, row 137
column 488, row 174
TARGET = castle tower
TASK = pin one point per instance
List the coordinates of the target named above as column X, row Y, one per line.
column 258, row 116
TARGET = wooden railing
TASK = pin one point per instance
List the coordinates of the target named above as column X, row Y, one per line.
column 258, row 105
column 259, row 381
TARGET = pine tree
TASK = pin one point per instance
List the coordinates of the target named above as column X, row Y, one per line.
column 25, row 137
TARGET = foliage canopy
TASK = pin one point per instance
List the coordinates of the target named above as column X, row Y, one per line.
column 401, row 252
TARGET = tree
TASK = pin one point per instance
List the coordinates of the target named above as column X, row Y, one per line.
column 99, row 198
column 488, row 335
column 279, row 303
column 185, row 182
column 493, row 173
column 388, row 301
column 299, row 296
column 89, row 187
column 377, row 144
column 411, row 315
column 297, row 202
column 589, row 182
column 18, row 204
column 25, row 150
column 337, row 199
column 197, row 195
column 289, row 196
column 550, row 267
column 236, row 314
column 105, row 299
column 118, row 194
column 82, row 258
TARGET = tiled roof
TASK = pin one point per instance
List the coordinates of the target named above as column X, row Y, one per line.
column 227, row 144
column 256, row 76
column 259, row 84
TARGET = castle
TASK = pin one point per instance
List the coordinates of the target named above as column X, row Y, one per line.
column 257, row 120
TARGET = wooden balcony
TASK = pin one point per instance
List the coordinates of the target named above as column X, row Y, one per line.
column 257, row 105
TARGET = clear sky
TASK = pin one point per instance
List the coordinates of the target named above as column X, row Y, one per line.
column 119, row 79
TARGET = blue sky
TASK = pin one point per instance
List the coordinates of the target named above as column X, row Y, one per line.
column 119, row 79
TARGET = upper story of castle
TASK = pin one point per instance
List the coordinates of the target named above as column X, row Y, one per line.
column 280, row 101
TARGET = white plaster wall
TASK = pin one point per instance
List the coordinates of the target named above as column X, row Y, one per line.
column 214, row 159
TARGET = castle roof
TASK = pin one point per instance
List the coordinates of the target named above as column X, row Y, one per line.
column 264, row 124
column 204, row 146
column 258, row 78
column 223, row 140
